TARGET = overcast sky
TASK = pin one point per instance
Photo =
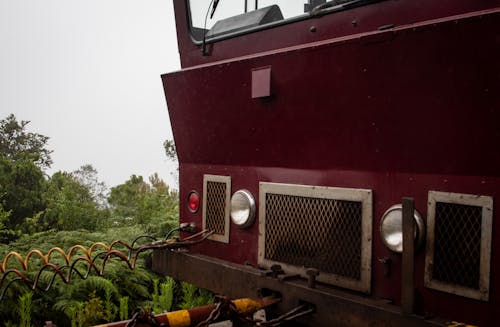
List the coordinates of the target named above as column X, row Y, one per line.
column 87, row 74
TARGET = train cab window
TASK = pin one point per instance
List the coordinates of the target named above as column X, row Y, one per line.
column 229, row 17
column 219, row 19
column 226, row 18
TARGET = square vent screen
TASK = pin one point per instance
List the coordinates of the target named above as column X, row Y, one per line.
column 216, row 202
column 326, row 228
column 459, row 244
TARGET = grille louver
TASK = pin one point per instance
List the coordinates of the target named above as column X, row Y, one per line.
column 216, row 201
column 458, row 244
column 325, row 228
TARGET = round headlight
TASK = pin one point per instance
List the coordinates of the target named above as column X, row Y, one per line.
column 242, row 208
column 391, row 228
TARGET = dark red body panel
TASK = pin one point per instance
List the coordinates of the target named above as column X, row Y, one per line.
column 399, row 100
column 367, row 18
column 401, row 112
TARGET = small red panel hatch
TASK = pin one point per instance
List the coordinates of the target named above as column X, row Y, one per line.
column 261, row 82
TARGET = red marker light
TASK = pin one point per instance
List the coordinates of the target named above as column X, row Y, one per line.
column 193, row 201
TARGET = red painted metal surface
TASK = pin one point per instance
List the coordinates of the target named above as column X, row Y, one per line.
column 338, row 117
column 367, row 18
column 261, row 82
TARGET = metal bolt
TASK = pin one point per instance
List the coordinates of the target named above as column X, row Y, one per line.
column 276, row 270
column 312, row 273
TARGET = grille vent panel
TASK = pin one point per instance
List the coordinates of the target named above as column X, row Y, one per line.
column 312, row 232
column 457, row 248
column 325, row 228
column 216, row 201
column 459, row 244
column 216, row 207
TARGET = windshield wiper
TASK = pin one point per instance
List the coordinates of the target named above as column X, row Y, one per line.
column 214, row 7
column 214, row 4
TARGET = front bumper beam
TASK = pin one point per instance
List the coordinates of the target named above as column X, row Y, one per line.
column 333, row 307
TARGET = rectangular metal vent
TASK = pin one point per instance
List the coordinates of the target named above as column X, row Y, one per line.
column 216, row 202
column 326, row 228
column 459, row 244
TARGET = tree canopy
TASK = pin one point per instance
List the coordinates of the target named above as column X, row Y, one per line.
column 38, row 211
column 22, row 188
column 30, row 200
column 151, row 204
column 16, row 143
column 170, row 150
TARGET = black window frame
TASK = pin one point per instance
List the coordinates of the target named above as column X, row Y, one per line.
column 325, row 11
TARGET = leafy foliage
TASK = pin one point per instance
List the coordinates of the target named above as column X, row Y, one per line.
column 171, row 153
column 22, row 186
column 67, row 302
column 25, row 307
column 38, row 211
column 170, row 150
column 70, row 204
column 5, row 233
column 194, row 297
column 163, row 294
column 19, row 145
column 152, row 204
column 124, row 308
column 4, row 215
column 87, row 175
column 23, row 157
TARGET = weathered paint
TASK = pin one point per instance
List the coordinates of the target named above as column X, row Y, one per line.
column 194, row 316
column 341, row 101
column 179, row 318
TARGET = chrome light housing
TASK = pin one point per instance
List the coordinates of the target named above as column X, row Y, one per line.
column 391, row 229
column 243, row 208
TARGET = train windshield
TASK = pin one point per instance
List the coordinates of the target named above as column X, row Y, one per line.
column 218, row 19
column 225, row 18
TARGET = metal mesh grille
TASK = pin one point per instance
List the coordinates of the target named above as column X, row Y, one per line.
column 457, row 244
column 216, row 207
column 314, row 232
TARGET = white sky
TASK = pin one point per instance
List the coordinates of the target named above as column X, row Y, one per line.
column 87, row 74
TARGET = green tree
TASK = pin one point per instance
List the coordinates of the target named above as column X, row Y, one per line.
column 152, row 205
column 87, row 175
column 126, row 198
column 23, row 157
column 171, row 153
column 18, row 144
column 70, row 205
column 170, row 150
column 6, row 234
column 4, row 215
column 22, row 184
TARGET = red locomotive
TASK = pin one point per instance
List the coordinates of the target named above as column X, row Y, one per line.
column 301, row 125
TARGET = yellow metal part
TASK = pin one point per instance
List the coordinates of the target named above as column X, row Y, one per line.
column 180, row 318
column 192, row 317
column 247, row 306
